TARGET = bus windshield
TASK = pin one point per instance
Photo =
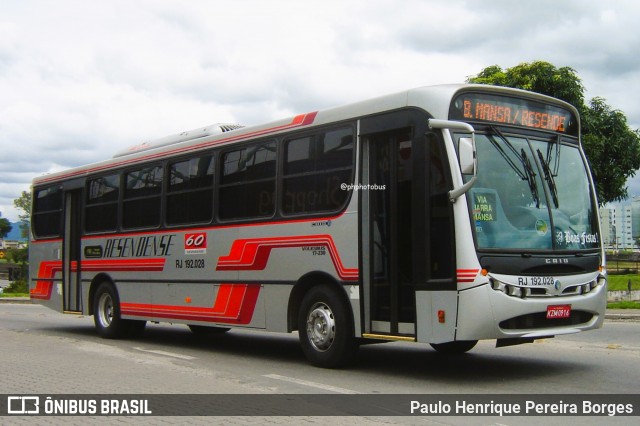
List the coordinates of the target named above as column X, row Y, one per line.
column 532, row 194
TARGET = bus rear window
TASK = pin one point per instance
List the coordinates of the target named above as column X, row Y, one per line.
column 47, row 213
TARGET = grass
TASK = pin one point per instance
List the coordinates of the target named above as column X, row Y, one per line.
column 5, row 294
column 623, row 305
column 620, row 282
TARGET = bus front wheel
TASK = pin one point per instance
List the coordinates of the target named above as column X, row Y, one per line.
column 325, row 327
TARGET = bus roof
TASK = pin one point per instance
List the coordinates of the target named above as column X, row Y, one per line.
column 434, row 99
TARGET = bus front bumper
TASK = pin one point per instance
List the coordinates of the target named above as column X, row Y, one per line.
column 484, row 313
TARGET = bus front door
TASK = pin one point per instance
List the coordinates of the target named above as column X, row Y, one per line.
column 408, row 250
column 388, row 259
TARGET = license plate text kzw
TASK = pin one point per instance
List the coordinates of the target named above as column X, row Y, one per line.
column 563, row 311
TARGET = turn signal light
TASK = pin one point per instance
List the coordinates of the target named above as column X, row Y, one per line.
column 441, row 317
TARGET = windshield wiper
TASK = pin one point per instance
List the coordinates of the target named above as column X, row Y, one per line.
column 531, row 177
column 528, row 174
column 548, row 177
column 556, row 164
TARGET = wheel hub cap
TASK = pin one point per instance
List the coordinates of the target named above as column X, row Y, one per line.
column 106, row 310
column 321, row 327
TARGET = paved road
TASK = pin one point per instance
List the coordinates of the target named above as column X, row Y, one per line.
column 62, row 354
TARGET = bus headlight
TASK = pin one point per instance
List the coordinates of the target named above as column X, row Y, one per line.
column 510, row 290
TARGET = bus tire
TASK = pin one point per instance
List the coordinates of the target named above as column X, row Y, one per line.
column 106, row 313
column 205, row 330
column 454, row 348
column 325, row 327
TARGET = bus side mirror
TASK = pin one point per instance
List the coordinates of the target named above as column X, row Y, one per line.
column 467, row 153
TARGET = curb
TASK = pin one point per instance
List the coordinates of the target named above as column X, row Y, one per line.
column 15, row 300
column 623, row 317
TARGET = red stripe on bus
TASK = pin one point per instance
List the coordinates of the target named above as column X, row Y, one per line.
column 48, row 269
column 297, row 121
column 253, row 254
column 42, row 290
column 234, row 304
column 467, row 275
column 122, row 265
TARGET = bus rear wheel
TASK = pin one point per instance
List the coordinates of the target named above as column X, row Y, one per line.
column 106, row 314
column 325, row 327
column 454, row 348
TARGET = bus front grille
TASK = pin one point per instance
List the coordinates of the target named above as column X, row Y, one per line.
column 539, row 320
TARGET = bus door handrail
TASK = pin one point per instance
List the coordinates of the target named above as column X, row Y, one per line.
column 455, row 193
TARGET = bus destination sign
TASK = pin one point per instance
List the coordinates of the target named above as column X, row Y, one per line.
column 513, row 111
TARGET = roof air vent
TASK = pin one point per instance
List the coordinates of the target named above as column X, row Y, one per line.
column 214, row 129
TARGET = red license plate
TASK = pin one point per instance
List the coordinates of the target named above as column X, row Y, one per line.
column 558, row 311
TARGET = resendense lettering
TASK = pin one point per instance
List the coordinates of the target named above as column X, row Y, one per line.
column 146, row 246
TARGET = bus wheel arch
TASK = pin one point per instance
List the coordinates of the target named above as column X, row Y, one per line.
column 305, row 284
column 325, row 323
column 97, row 280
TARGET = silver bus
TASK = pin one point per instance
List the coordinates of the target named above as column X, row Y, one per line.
column 440, row 215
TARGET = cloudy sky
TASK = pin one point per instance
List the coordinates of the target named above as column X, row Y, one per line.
column 80, row 80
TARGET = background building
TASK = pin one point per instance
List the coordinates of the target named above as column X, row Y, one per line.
column 620, row 226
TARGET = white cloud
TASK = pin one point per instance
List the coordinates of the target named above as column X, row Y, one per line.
column 80, row 80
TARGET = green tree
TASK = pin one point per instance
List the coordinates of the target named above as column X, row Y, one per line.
column 23, row 203
column 18, row 276
column 613, row 149
column 540, row 77
column 5, row 227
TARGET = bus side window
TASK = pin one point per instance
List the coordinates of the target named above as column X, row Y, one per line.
column 248, row 182
column 315, row 167
column 190, row 191
column 101, row 212
column 142, row 196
